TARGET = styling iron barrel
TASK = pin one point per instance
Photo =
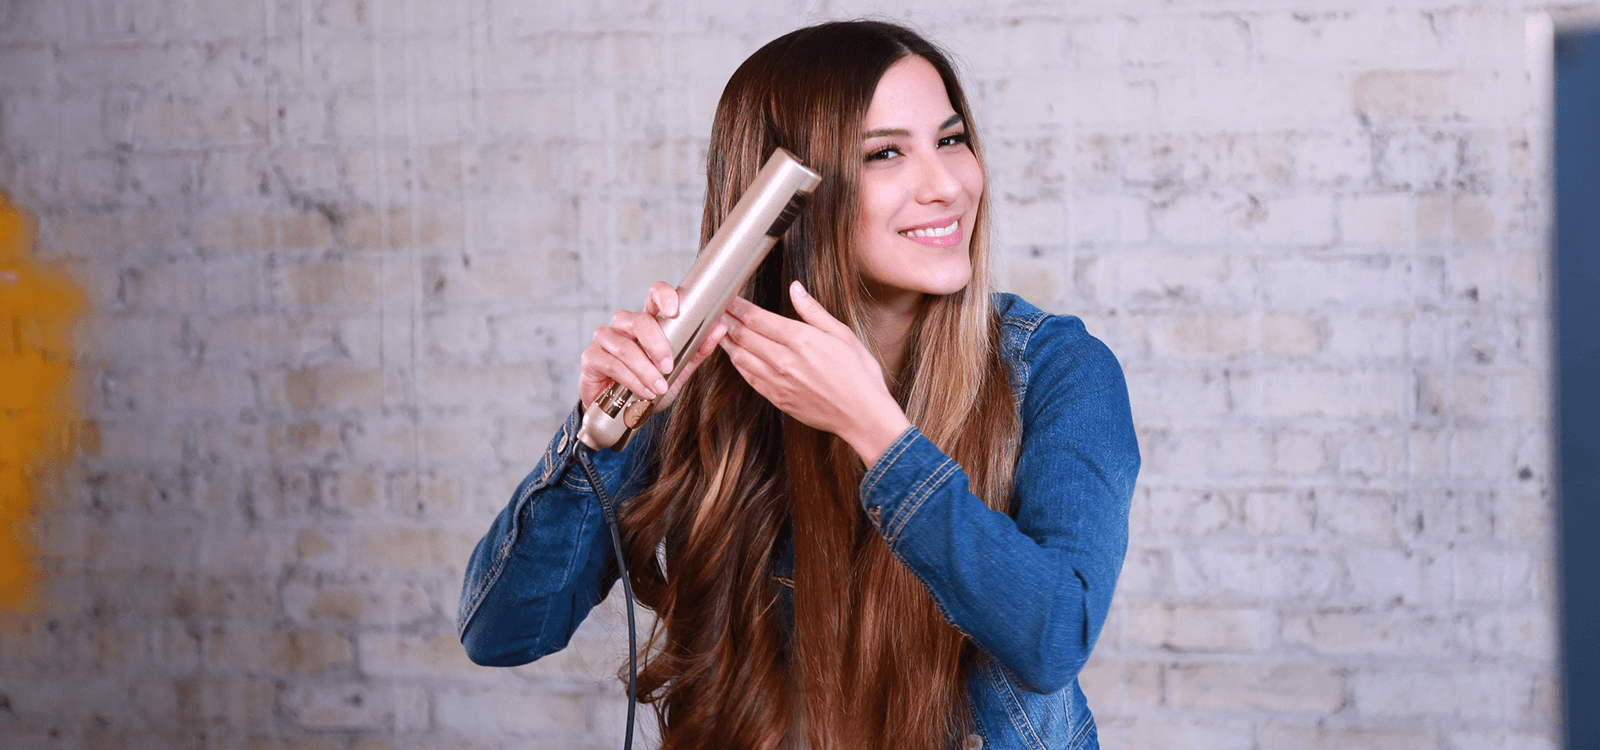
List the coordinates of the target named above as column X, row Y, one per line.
column 763, row 213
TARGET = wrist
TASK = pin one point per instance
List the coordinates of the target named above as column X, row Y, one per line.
column 871, row 435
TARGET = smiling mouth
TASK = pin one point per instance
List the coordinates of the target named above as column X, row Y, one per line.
column 954, row 227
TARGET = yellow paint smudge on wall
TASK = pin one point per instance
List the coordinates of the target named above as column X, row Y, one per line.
column 37, row 308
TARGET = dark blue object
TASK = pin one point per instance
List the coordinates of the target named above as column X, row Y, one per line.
column 1577, row 324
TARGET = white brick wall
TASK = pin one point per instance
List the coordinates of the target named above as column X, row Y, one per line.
column 341, row 256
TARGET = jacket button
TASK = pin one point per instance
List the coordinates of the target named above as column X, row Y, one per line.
column 562, row 446
column 974, row 742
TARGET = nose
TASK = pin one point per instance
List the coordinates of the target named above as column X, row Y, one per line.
column 936, row 182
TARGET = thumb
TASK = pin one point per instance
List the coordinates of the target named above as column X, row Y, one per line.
column 662, row 300
column 812, row 312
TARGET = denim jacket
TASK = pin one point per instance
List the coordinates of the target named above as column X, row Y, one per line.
column 1032, row 591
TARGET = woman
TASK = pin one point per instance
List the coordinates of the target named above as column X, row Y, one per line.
column 891, row 513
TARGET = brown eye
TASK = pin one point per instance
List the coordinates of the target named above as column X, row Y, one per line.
column 884, row 154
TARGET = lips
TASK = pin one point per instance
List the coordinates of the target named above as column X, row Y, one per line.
column 941, row 233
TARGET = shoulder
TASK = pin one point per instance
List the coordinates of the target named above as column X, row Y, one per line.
column 1057, row 348
column 1071, row 393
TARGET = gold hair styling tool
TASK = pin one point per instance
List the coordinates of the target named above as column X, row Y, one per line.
column 761, row 216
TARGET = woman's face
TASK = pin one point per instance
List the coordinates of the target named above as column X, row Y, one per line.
column 920, row 185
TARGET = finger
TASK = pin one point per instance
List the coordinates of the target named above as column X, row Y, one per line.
column 757, row 343
column 604, row 369
column 627, row 363
column 707, row 347
column 812, row 311
column 755, row 370
column 591, row 385
column 770, row 324
column 710, row 344
column 661, row 300
column 647, row 330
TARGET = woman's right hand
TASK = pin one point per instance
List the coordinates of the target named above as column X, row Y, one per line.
column 634, row 351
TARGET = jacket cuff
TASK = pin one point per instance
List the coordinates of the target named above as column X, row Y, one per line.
column 902, row 479
column 559, row 463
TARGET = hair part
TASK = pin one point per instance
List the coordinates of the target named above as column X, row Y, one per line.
column 736, row 476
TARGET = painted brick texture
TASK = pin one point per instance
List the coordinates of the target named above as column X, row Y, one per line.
column 341, row 256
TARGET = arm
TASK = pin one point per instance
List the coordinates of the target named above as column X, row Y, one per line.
column 547, row 558
column 1033, row 592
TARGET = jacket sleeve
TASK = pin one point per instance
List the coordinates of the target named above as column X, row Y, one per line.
column 547, row 558
column 1032, row 591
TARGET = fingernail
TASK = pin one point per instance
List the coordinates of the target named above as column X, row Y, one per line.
column 799, row 288
column 660, row 386
column 665, row 364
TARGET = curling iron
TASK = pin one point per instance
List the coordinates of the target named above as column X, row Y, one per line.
column 761, row 216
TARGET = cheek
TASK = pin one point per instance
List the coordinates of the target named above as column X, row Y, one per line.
column 877, row 204
column 971, row 176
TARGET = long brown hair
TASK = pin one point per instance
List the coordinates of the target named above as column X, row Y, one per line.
column 869, row 661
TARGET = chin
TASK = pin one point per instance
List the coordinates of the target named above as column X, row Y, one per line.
column 940, row 290
column 956, row 282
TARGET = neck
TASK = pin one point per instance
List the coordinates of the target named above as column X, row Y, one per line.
column 890, row 320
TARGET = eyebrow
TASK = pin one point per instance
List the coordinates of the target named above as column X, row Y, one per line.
column 954, row 120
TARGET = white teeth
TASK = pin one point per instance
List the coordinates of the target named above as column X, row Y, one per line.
column 945, row 232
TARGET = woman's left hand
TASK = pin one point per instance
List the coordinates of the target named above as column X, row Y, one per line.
column 815, row 370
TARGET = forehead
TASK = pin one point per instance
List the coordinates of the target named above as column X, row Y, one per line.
column 909, row 93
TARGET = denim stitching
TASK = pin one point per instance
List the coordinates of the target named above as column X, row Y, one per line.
column 938, row 603
column 877, row 470
column 977, row 723
column 918, row 495
column 1026, row 328
column 583, row 523
column 1066, row 706
column 1027, row 323
column 1019, row 717
column 484, row 584
column 581, row 484
column 886, row 461
column 915, row 498
column 504, row 553
column 1083, row 732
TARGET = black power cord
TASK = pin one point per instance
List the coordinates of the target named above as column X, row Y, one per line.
column 609, row 512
